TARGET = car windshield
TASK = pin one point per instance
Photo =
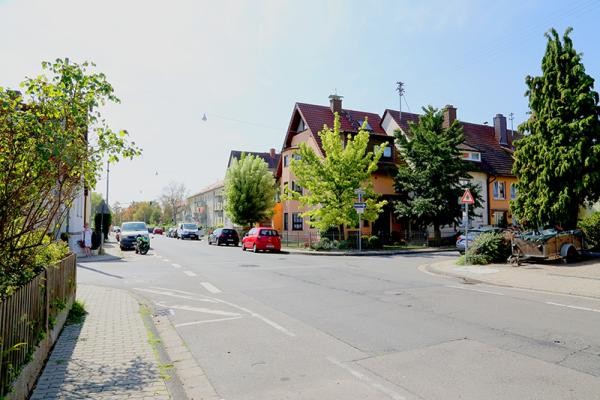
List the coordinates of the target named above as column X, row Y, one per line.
column 229, row 231
column 134, row 226
column 190, row 226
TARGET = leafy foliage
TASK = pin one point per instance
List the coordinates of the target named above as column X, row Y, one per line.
column 432, row 178
column 591, row 227
column 487, row 248
column 250, row 190
column 558, row 160
column 52, row 139
column 329, row 182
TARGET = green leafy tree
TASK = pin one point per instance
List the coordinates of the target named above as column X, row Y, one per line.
column 433, row 176
column 249, row 190
column 329, row 182
column 52, row 139
column 558, row 159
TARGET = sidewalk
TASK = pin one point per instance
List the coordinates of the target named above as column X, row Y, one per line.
column 364, row 253
column 112, row 252
column 581, row 279
column 107, row 357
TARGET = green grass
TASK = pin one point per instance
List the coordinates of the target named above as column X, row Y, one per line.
column 77, row 314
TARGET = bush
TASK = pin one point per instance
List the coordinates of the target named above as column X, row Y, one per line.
column 591, row 228
column 374, row 243
column 51, row 253
column 488, row 248
column 322, row 244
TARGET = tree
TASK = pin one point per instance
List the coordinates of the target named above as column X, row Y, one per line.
column 148, row 211
column 249, row 191
column 53, row 139
column 328, row 183
column 433, row 176
column 173, row 200
column 557, row 161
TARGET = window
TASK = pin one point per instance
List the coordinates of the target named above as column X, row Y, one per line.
column 285, row 221
column 297, row 222
column 513, row 191
column 285, row 160
column 387, row 151
column 499, row 218
column 296, row 188
column 367, row 126
column 499, row 191
column 297, row 156
column 471, row 156
column 301, row 127
column 365, row 223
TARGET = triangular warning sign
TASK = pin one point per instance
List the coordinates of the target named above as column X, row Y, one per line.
column 467, row 197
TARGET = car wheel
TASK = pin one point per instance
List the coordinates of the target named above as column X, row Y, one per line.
column 243, row 247
column 254, row 249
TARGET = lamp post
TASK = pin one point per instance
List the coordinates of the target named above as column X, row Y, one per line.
column 102, row 210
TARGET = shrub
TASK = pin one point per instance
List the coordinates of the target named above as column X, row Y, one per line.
column 590, row 226
column 347, row 244
column 322, row 244
column 487, row 248
column 373, row 242
column 51, row 253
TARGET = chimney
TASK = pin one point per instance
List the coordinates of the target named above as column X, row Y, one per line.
column 449, row 115
column 500, row 130
column 272, row 153
column 335, row 103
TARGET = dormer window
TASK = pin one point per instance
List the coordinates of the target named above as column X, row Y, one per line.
column 301, row 127
column 367, row 127
column 471, row 156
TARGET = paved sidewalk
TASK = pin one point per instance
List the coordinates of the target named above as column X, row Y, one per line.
column 581, row 279
column 107, row 357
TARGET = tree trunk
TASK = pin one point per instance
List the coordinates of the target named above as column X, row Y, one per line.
column 437, row 233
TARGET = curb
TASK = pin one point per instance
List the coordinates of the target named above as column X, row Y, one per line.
column 364, row 253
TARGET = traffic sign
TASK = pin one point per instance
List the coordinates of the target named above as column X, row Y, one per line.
column 467, row 197
column 360, row 205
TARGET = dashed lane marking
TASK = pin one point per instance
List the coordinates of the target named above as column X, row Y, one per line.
column 475, row 290
column 208, row 286
column 573, row 307
column 175, row 290
column 189, row 273
column 176, row 265
column 171, row 294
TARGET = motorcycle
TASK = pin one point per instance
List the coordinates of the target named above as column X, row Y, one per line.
column 142, row 245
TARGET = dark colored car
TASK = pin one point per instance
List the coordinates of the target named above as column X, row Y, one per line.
column 157, row 231
column 265, row 239
column 224, row 236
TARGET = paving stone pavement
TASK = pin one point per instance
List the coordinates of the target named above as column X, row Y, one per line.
column 107, row 357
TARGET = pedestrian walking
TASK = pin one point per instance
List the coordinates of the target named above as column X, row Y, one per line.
column 87, row 239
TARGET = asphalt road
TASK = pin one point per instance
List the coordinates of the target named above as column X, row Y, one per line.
column 278, row 326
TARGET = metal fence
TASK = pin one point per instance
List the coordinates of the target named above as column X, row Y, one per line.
column 28, row 314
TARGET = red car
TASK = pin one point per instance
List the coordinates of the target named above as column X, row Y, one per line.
column 265, row 239
column 158, row 231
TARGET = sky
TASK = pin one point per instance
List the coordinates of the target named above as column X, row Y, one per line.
column 244, row 64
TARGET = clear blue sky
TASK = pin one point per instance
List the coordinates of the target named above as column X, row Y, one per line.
column 245, row 64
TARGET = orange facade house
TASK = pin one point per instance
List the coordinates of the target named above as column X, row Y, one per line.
column 305, row 123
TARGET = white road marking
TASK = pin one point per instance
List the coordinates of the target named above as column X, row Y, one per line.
column 189, row 273
column 256, row 315
column 551, row 293
column 208, row 286
column 367, row 380
column 205, row 321
column 166, row 259
column 573, row 307
column 179, row 266
column 205, row 310
column 171, row 294
column 475, row 290
column 175, row 290
column 423, row 268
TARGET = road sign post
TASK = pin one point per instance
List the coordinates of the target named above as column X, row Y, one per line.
column 466, row 199
column 360, row 208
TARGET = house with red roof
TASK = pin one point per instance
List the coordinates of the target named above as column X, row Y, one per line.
column 305, row 123
column 488, row 150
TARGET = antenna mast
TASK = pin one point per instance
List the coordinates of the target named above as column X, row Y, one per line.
column 400, row 90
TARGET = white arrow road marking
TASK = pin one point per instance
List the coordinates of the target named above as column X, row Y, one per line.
column 205, row 310
column 189, row 273
column 475, row 290
column 367, row 380
column 176, row 265
column 171, row 294
column 573, row 307
column 256, row 315
column 205, row 321
column 208, row 286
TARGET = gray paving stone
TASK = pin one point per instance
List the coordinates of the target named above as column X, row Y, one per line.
column 107, row 357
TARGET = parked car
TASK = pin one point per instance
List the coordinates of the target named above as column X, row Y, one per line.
column 130, row 232
column 150, row 229
column 262, row 239
column 472, row 235
column 158, row 231
column 188, row 231
column 224, row 236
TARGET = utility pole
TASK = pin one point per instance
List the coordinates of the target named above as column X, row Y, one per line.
column 400, row 90
column 102, row 211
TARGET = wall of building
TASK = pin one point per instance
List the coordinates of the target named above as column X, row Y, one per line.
column 480, row 179
column 500, row 205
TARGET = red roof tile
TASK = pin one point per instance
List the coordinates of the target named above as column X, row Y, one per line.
column 495, row 159
column 316, row 116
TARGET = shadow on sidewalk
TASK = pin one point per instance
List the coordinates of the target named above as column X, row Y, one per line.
column 82, row 372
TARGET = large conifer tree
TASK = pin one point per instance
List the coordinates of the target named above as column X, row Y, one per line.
column 558, row 159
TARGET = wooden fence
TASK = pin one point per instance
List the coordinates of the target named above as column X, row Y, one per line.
column 27, row 316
